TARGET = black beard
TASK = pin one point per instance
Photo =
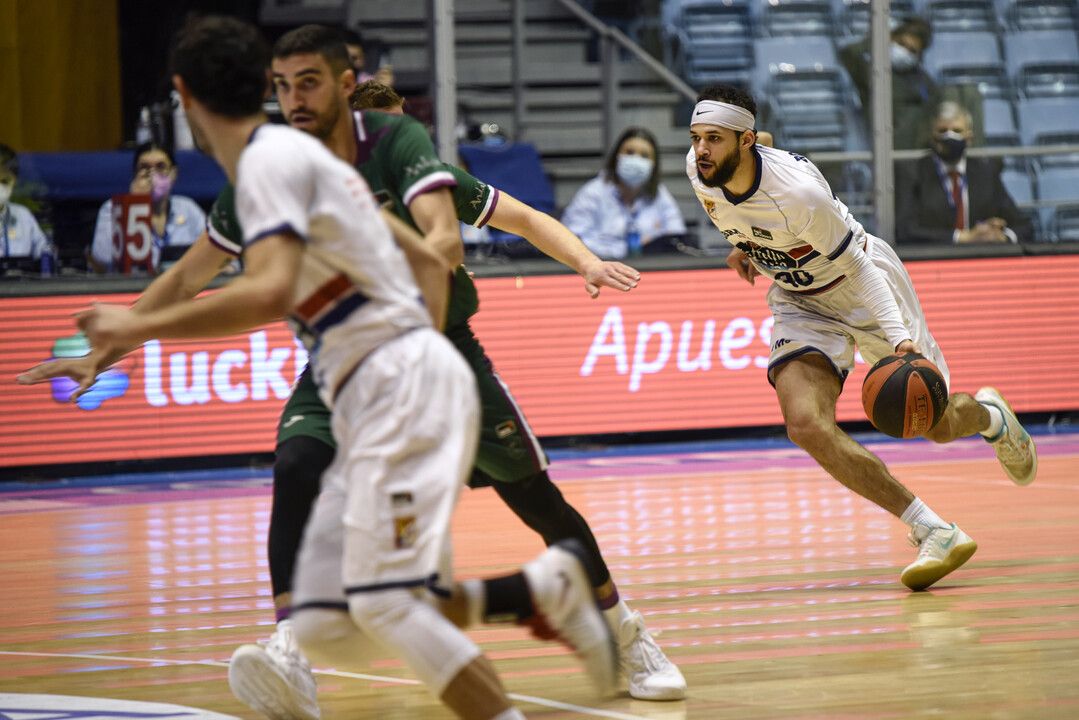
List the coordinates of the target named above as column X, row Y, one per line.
column 723, row 173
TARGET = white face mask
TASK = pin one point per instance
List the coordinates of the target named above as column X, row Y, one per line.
column 902, row 58
column 634, row 170
column 5, row 194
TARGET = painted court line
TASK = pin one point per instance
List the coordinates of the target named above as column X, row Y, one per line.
column 554, row 704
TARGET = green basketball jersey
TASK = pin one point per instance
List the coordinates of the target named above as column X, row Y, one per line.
column 396, row 157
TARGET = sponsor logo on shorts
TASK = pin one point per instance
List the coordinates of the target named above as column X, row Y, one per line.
column 404, row 531
column 780, row 343
column 504, row 429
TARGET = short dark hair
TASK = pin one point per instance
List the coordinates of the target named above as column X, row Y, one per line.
column 731, row 94
column 918, row 27
column 223, row 61
column 9, row 160
column 146, row 147
column 373, row 95
column 610, row 166
column 317, row 39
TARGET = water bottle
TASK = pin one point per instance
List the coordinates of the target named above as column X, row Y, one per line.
column 633, row 239
column 48, row 263
column 181, row 131
column 144, row 133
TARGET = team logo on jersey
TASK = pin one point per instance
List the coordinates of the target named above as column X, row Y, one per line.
column 761, row 233
column 774, row 259
column 504, row 429
column 710, row 207
column 112, row 383
column 404, row 531
column 477, row 201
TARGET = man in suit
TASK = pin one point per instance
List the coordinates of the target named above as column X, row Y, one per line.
column 948, row 198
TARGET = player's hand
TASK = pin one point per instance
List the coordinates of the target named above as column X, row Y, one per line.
column 110, row 328
column 739, row 261
column 609, row 274
column 83, row 370
column 907, row 346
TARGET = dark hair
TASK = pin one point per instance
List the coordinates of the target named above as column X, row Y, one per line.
column 730, row 94
column 373, row 95
column 9, row 160
column 316, row 39
column 224, row 62
column 610, row 166
column 351, row 37
column 918, row 27
column 146, row 147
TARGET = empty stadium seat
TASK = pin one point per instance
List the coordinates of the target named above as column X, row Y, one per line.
column 1059, row 184
column 1000, row 127
column 1038, row 14
column 713, row 39
column 1046, row 121
column 853, row 16
column 962, row 15
column 957, row 58
column 1043, row 62
column 796, row 18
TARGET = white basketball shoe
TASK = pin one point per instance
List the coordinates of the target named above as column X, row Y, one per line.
column 649, row 673
column 940, row 551
column 565, row 609
column 1013, row 445
column 273, row 677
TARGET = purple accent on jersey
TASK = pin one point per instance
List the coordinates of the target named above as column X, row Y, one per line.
column 490, row 210
column 219, row 245
column 282, row 614
column 276, row 230
column 611, row 600
column 759, row 172
column 341, row 311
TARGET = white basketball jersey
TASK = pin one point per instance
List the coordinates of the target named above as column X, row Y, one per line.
column 789, row 223
column 355, row 289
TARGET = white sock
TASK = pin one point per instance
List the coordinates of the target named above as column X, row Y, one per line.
column 477, row 601
column 920, row 514
column 996, row 421
column 510, row 714
column 616, row 615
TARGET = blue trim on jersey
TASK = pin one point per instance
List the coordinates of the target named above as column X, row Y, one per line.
column 320, row 605
column 430, row 582
column 285, row 227
column 759, row 172
column 842, row 246
column 341, row 311
column 798, row 353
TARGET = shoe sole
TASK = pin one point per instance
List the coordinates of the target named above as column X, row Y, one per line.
column 665, row 694
column 255, row 682
column 921, row 578
column 1033, row 448
column 607, row 685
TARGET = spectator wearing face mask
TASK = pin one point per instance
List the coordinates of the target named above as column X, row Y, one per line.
column 22, row 243
column 624, row 208
column 949, row 198
column 914, row 92
column 176, row 221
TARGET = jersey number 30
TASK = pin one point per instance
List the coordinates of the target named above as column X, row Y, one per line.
column 795, row 278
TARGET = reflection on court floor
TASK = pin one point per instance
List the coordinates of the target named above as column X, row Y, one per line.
column 775, row 589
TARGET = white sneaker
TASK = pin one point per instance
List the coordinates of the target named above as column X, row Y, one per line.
column 940, row 550
column 274, row 678
column 566, row 609
column 650, row 675
column 1014, row 447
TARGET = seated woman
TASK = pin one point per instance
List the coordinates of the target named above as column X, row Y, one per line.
column 22, row 243
column 624, row 207
column 175, row 221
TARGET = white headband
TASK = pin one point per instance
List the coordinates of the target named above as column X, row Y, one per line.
column 714, row 112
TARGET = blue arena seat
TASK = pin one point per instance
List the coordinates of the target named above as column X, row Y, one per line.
column 1059, row 184
column 1000, row 127
column 853, row 16
column 968, row 58
column 1043, row 62
column 961, row 16
column 779, row 18
column 515, row 168
column 1039, row 14
column 1046, row 121
column 713, row 40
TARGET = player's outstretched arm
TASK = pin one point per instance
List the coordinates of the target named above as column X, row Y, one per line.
column 436, row 217
column 262, row 294
column 182, row 281
column 431, row 271
column 557, row 241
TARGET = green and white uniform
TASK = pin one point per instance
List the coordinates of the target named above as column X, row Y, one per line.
column 397, row 159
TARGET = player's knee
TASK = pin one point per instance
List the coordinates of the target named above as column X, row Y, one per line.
column 808, row 431
column 377, row 612
column 316, row 626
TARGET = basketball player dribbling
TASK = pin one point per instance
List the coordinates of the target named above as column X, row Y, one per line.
column 834, row 287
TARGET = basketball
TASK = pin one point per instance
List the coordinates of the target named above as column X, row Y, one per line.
column 904, row 395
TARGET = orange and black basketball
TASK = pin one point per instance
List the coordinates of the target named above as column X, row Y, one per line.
column 904, row 395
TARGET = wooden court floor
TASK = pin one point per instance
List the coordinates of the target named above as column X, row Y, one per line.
column 773, row 588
